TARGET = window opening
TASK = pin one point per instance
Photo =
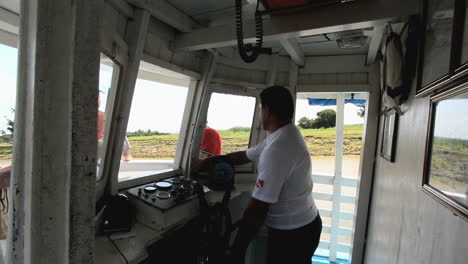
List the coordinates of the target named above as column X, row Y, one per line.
column 232, row 116
column 317, row 124
column 108, row 79
column 154, row 125
column 8, row 74
column 333, row 133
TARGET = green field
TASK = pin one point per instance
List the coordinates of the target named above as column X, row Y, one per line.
column 321, row 142
column 5, row 151
column 449, row 164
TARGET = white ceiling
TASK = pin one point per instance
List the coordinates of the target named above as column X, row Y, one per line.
column 9, row 22
column 200, row 7
column 11, row 5
column 325, row 44
column 210, row 13
column 221, row 12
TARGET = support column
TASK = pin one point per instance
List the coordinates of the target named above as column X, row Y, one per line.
column 199, row 110
column 84, row 97
column 22, row 154
column 137, row 31
column 258, row 133
column 366, row 169
column 55, row 133
column 293, row 78
column 272, row 72
column 339, row 139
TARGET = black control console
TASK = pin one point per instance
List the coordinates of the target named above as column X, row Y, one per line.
column 165, row 194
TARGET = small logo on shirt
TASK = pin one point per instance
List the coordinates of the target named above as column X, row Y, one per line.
column 260, row 183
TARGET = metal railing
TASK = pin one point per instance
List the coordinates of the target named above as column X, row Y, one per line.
column 334, row 246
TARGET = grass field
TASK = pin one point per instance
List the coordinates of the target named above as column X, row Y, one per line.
column 5, row 151
column 449, row 165
column 321, row 142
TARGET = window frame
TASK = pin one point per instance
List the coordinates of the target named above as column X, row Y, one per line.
column 181, row 141
column 456, row 207
column 110, row 103
column 457, row 69
column 117, row 57
column 255, row 127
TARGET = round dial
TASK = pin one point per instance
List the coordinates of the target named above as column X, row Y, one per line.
column 163, row 185
column 163, row 195
column 150, row 189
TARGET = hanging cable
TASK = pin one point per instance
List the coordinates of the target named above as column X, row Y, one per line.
column 245, row 49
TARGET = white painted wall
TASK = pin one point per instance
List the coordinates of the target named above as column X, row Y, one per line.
column 159, row 45
column 406, row 225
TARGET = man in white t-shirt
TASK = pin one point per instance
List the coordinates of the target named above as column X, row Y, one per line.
column 282, row 197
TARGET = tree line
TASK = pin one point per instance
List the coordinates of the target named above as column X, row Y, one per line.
column 143, row 133
column 325, row 119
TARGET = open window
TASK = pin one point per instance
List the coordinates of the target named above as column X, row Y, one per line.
column 333, row 125
column 108, row 81
column 8, row 74
column 156, row 117
column 232, row 116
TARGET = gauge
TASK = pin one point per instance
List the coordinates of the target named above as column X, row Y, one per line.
column 163, row 185
column 150, row 189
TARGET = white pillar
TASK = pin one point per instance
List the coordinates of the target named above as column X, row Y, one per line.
column 84, row 96
column 338, row 175
column 366, row 168
column 293, row 79
column 258, row 133
column 55, row 133
column 201, row 102
column 137, row 31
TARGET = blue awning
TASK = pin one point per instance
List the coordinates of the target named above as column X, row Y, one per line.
column 327, row 102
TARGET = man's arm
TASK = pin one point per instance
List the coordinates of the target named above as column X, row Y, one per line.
column 203, row 155
column 253, row 218
column 237, row 158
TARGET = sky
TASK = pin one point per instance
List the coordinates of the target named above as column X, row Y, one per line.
column 8, row 69
column 158, row 106
column 304, row 109
column 452, row 118
column 224, row 112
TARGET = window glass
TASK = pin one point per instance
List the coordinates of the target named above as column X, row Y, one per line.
column 153, row 128
column 8, row 72
column 320, row 138
column 231, row 116
column 464, row 58
column 316, row 118
column 108, row 78
column 438, row 40
column 448, row 171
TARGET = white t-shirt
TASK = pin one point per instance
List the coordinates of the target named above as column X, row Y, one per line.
column 284, row 178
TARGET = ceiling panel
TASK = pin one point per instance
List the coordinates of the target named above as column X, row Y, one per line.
column 11, row 5
column 309, row 39
column 331, row 48
column 197, row 7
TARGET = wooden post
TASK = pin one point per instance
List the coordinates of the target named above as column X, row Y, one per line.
column 55, row 135
column 293, row 78
column 137, row 30
column 366, row 168
column 339, row 138
column 84, row 97
column 258, row 134
column 201, row 99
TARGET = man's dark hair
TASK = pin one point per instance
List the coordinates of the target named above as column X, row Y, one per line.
column 279, row 101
